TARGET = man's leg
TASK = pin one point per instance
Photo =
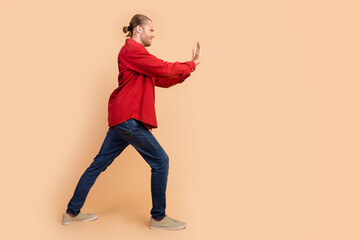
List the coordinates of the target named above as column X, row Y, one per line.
column 149, row 148
column 112, row 146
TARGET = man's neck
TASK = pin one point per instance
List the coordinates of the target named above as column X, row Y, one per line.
column 138, row 40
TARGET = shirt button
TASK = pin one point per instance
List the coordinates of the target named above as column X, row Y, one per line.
column 192, row 69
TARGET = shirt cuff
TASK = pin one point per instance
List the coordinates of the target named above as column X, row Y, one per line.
column 192, row 65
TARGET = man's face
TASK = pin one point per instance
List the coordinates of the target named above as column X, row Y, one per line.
column 147, row 34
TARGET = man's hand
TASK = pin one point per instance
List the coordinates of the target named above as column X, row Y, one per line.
column 196, row 57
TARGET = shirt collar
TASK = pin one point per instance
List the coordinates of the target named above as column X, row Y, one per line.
column 131, row 41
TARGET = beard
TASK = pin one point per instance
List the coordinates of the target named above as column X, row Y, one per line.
column 146, row 41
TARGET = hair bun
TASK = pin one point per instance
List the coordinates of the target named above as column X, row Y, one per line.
column 127, row 29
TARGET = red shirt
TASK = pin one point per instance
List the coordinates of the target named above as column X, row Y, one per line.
column 139, row 73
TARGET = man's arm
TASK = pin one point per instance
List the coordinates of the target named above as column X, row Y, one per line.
column 140, row 60
column 168, row 82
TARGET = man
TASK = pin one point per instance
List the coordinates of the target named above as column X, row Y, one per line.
column 131, row 116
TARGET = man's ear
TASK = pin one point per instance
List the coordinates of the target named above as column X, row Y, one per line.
column 138, row 28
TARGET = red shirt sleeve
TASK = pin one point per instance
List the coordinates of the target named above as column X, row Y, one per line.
column 168, row 82
column 140, row 60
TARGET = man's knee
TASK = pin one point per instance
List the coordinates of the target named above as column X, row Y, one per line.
column 162, row 165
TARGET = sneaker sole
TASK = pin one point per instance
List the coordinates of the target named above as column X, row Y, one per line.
column 85, row 220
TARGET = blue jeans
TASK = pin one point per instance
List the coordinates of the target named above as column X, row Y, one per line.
column 118, row 137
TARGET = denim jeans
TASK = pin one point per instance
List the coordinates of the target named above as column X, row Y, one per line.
column 118, row 137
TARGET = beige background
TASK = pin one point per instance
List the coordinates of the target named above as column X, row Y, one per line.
column 263, row 138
